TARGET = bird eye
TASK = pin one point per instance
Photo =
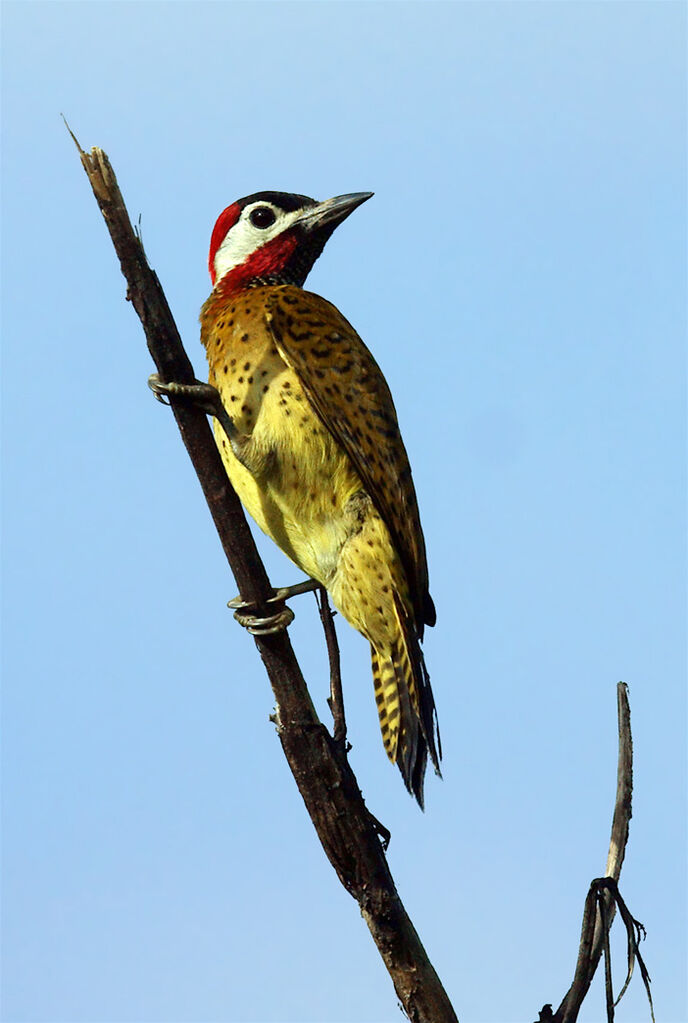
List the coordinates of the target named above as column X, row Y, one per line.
column 262, row 217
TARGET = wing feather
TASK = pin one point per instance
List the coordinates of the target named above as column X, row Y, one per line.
column 349, row 394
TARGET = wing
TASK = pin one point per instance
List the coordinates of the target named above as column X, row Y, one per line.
column 349, row 394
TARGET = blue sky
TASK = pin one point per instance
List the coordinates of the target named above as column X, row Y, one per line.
column 520, row 277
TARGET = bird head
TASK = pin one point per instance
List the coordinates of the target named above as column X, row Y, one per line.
column 274, row 237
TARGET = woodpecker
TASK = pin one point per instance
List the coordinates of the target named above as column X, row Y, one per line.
column 311, row 444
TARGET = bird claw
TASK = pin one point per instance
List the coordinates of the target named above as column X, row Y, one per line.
column 203, row 396
column 266, row 626
column 159, row 389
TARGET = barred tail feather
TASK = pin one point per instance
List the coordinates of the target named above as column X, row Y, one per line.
column 406, row 707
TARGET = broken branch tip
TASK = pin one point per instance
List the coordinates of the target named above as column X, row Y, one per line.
column 74, row 138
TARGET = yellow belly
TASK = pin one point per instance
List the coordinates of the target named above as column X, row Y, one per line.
column 299, row 483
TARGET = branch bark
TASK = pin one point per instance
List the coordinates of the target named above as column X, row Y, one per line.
column 592, row 946
column 603, row 896
column 348, row 833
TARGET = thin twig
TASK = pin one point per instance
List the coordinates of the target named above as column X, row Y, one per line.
column 634, row 932
column 336, row 698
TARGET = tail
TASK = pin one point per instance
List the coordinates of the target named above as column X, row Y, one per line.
column 406, row 706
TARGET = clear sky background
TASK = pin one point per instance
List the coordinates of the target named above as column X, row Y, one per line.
column 520, row 277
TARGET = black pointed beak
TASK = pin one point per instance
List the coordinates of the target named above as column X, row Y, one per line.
column 332, row 212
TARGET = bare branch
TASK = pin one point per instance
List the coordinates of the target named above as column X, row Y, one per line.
column 336, row 697
column 603, row 896
column 325, row 780
column 624, row 787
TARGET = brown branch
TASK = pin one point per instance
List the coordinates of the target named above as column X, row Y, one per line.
column 603, row 896
column 325, row 780
column 335, row 701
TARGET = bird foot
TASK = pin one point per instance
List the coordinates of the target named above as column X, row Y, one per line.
column 268, row 625
column 203, row 396
column 285, row 592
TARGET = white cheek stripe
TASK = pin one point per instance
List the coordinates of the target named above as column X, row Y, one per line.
column 243, row 239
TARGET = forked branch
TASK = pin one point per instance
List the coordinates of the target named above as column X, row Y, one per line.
column 603, row 897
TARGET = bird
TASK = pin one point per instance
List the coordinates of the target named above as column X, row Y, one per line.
column 310, row 440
